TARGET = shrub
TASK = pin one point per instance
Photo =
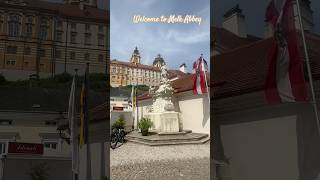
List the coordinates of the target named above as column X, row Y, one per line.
column 63, row 78
column 3, row 80
column 144, row 125
column 120, row 123
column 39, row 172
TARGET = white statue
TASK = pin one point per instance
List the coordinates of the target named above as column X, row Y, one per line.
column 161, row 112
column 162, row 97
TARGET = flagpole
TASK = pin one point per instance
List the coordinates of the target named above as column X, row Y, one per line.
column 137, row 105
column 308, row 68
column 88, row 174
column 77, row 142
column 205, row 78
column 133, row 106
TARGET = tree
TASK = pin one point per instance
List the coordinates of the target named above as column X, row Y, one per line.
column 3, row 80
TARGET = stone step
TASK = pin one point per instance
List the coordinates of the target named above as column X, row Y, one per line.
column 180, row 138
column 172, row 142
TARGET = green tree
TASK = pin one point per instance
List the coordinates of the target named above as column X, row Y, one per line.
column 39, row 172
column 3, row 80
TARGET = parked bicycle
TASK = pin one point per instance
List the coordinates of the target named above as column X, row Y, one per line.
column 117, row 136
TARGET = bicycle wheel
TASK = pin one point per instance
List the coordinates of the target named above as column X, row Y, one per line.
column 114, row 140
column 121, row 136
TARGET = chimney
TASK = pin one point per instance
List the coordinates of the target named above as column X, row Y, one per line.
column 183, row 68
column 234, row 21
column 93, row 3
column 81, row 5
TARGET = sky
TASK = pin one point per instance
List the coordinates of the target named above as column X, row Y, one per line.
column 177, row 43
column 254, row 11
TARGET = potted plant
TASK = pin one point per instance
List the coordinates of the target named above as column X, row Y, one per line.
column 144, row 125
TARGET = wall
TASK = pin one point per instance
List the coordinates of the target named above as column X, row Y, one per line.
column 114, row 116
column 195, row 112
column 194, row 109
column 17, row 167
column 30, row 126
column 264, row 149
column 99, row 152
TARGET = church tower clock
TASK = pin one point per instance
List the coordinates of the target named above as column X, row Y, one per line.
column 135, row 58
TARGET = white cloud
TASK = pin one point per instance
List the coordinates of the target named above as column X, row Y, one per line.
column 176, row 43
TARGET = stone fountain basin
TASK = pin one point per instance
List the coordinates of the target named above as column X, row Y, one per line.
column 164, row 122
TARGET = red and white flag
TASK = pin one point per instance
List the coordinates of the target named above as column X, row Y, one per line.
column 199, row 81
column 285, row 80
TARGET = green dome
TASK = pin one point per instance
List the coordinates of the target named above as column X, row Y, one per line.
column 159, row 61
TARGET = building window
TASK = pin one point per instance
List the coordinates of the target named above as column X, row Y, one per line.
column 14, row 25
column 59, row 24
column 29, row 30
column 58, row 54
column 42, row 52
column 87, row 27
column 87, row 38
column 5, row 122
column 51, row 144
column 1, row 23
column 100, row 58
column 100, row 40
column 73, row 37
column 72, row 55
column 50, row 123
column 43, row 29
column 87, row 56
column 2, row 147
column 59, row 36
column 11, row 62
column 29, row 26
column 114, row 70
column 27, row 50
column 100, row 28
column 12, row 49
column 73, row 26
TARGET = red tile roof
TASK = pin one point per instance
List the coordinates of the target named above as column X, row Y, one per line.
column 244, row 69
column 99, row 113
column 68, row 10
column 129, row 64
column 182, row 84
column 176, row 73
column 229, row 41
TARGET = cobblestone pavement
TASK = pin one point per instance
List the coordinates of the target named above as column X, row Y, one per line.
column 181, row 169
column 179, row 162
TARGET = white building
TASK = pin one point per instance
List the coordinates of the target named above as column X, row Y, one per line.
column 261, row 141
column 32, row 115
column 194, row 109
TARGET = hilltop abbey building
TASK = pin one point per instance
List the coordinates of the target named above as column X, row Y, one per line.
column 134, row 73
column 44, row 38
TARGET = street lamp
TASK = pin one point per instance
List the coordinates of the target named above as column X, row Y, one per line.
column 63, row 128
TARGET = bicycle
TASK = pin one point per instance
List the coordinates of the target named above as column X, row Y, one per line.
column 117, row 135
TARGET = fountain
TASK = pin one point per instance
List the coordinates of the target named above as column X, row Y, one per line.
column 161, row 112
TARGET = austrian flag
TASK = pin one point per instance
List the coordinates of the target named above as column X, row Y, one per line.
column 285, row 79
column 199, row 79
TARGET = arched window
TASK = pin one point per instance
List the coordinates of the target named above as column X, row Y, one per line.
column 29, row 26
column 43, row 28
column 14, row 25
column 1, row 22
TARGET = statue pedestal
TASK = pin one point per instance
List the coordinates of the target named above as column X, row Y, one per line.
column 164, row 122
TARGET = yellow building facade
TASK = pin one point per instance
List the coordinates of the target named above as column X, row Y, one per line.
column 133, row 72
column 45, row 38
